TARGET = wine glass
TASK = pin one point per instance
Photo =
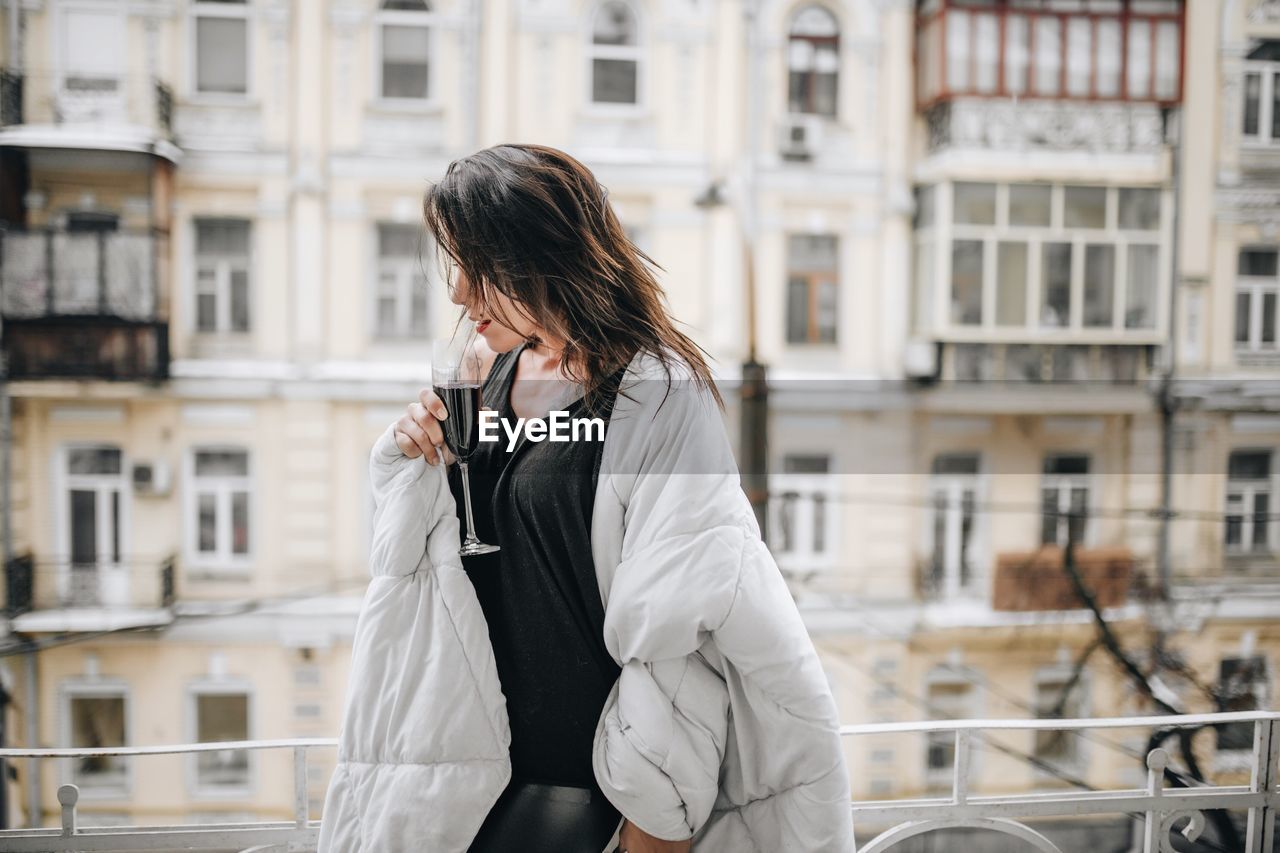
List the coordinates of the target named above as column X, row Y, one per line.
column 455, row 378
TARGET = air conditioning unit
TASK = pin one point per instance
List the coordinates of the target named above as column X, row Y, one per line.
column 920, row 359
column 152, row 479
column 800, row 138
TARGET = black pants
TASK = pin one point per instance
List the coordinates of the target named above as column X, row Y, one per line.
column 532, row 818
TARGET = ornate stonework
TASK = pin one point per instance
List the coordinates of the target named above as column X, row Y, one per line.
column 1030, row 124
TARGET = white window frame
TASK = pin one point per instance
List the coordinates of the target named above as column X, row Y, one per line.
column 429, row 20
column 222, row 269
column 223, row 559
column 952, row 676
column 1256, row 287
column 1077, row 757
column 1267, row 72
column 406, row 272
column 1065, row 484
column 634, row 53
column 219, row 687
column 789, row 36
column 113, row 578
column 96, row 688
column 219, row 10
column 799, row 493
column 943, row 233
column 953, row 486
column 1244, row 490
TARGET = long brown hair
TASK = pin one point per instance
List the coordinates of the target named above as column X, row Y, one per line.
column 534, row 224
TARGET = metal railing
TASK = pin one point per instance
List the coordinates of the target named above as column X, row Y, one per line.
column 1161, row 811
column 57, row 273
column 51, row 584
column 85, row 98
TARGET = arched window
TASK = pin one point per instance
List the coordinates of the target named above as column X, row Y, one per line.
column 615, row 55
column 813, row 62
column 404, row 43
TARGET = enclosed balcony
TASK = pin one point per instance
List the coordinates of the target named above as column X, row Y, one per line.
column 1062, row 74
column 84, row 301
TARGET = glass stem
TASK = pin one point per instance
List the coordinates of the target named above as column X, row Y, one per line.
column 466, row 501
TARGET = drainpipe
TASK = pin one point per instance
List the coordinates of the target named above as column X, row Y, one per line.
column 1172, row 125
column 35, row 809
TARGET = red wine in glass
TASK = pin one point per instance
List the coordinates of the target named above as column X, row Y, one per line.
column 462, row 426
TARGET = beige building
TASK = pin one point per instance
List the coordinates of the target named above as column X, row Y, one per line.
column 965, row 225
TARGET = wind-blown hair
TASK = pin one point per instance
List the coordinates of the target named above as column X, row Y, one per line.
column 534, row 224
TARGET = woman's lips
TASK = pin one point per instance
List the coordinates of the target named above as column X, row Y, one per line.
column 482, row 325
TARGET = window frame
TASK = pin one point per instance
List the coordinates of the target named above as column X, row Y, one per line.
column 634, row 53
column 1263, row 688
column 835, row 40
column 405, row 269
column 239, row 11
column 223, row 560
column 224, row 266
column 1268, row 71
column 805, row 495
column 952, row 584
column 1246, row 490
column 813, row 283
column 1065, row 485
column 1257, row 288
column 219, row 687
column 95, row 688
column 428, row 20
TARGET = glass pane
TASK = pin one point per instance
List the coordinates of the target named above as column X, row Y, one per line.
column 84, row 526
column 1140, row 291
column 1261, row 507
column 987, row 50
column 1048, row 46
column 207, row 523
column 222, row 717
column 824, row 93
column 966, row 282
column 806, row 463
column 613, row 81
column 97, row 722
column 968, row 508
column 812, row 253
column 1055, row 285
column 206, row 313
column 956, row 464
column 1139, row 72
column 826, row 311
column 1275, row 107
column 240, row 522
column 975, row 204
column 222, row 463
column 922, row 302
column 398, row 241
column 94, row 460
column 1249, row 465
column 1252, row 103
column 221, row 55
column 405, row 80
column 1049, row 516
column 1099, row 285
column 1268, row 318
column 207, row 279
column 222, row 238
column 1066, row 464
column 407, row 45
column 1016, row 56
column 239, row 301
column 1085, row 207
column 1242, row 316
column 1257, row 262
column 797, row 310
column 958, row 40
column 115, row 526
column 819, row 523
column 1079, row 56
column 1011, row 284
column 1108, row 61
column 1079, row 508
column 419, row 313
column 1168, row 50
column 387, row 324
column 1139, row 208
column 1030, row 204
column 614, row 24
column 924, row 207
column 1234, row 530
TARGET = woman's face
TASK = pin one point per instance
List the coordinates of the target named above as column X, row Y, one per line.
column 500, row 338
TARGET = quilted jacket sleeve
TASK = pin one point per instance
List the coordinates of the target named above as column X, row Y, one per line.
column 678, row 737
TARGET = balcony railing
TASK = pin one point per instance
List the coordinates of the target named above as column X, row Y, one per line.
column 59, row 585
column 83, row 304
column 71, row 99
column 1158, row 811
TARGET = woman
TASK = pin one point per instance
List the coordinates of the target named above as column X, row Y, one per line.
column 660, row 691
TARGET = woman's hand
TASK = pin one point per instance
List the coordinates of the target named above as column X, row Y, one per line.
column 418, row 431
column 633, row 839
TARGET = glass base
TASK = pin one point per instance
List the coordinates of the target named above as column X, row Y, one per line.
column 474, row 549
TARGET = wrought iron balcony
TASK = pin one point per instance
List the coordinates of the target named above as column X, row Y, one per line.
column 59, row 595
column 132, row 105
column 83, row 304
column 1159, row 811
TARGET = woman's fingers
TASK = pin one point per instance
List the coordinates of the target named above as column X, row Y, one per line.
column 413, row 440
column 427, row 422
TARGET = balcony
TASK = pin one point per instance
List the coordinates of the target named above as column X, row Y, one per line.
column 86, row 111
column 1038, row 580
column 1158, row 811
column 59, row 596
column 83, row 304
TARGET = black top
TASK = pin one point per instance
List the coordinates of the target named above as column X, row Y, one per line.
column 539, row 593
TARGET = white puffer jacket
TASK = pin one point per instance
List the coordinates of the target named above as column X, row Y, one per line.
column 721, row 725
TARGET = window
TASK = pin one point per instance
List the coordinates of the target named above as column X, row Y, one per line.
column 946, row 699
column 1243, row 685
column 1248, row 529
column 954, row 490
column 812, row 280
column 1261, row 113
column 219, row 514
column 1257, row 300
column 401, row 301
column 94, row 502
column 404, row 42
column 222, row 275
column 1037, row 256
column 97, row 717
column 803, row 511
column 615, row 55
column 1058, row 696
column 1064, row 499
column 1037, row 49
column 222, row 47
column 813, row 62
column 221, row 714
